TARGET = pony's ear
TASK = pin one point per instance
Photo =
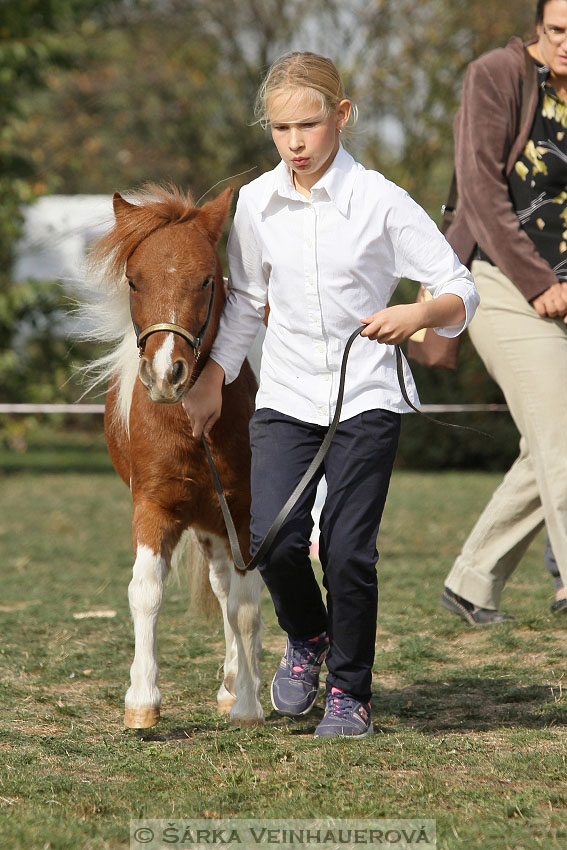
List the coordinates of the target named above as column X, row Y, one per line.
column 213, row 213
column 120, row 206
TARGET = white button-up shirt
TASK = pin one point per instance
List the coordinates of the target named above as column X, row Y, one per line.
column 324, row 264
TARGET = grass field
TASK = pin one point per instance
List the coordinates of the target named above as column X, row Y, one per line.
column 471, row 724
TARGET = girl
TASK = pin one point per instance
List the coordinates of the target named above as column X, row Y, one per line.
column 327, row 241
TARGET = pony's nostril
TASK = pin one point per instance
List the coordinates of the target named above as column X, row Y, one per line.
column 145, row 372
column 180, row 372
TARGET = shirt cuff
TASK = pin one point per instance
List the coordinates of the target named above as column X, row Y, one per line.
column 471, row 300
column 231, row 370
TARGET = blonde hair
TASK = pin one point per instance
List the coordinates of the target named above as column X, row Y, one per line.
column 302, row 70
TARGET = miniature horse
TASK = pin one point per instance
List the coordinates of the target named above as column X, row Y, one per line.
column 161, row 266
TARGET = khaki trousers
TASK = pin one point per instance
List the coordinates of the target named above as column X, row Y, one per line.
column 527, row 356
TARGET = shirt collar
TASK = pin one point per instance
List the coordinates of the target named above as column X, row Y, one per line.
column 337, row 183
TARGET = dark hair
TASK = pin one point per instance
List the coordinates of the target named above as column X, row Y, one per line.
column 541, row 4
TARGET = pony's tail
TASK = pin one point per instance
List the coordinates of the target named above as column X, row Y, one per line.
column 188, row 562
column 202, row 600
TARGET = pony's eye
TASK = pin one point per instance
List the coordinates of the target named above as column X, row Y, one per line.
column 131, row 285
column 207, row 282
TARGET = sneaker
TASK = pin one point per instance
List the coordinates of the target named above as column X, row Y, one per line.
column 296, row 683
column 345, row 716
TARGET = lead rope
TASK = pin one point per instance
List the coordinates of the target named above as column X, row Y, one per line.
column 313, row 466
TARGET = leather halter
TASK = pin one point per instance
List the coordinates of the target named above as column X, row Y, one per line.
column 194, row 341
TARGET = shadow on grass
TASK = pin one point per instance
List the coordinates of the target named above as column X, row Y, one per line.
column 431, row 707
column 453, row 705
column 471, row 704
column 178, row 733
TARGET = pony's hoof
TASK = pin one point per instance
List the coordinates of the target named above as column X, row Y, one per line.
column 140, row 718
column 246, row 721
column 224, row 705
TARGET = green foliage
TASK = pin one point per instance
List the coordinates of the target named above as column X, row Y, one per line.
column 410, row 78
column 99, row 95
column 37, row 39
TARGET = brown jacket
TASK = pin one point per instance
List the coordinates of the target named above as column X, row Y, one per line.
column 488, row 142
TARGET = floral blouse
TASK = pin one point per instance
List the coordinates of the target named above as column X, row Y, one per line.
column 538, row 181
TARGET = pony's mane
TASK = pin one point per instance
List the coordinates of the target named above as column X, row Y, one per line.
column 150, row 208
column 104, row 308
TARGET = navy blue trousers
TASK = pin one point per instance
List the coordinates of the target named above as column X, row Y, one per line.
column 357, row 468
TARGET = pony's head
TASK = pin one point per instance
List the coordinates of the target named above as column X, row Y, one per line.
column 164, row 248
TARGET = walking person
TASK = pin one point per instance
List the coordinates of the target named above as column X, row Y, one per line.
column 327, row 240
column 512, row 220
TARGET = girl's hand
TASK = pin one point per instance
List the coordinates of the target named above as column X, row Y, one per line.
column 203, row 402
column 394, row 324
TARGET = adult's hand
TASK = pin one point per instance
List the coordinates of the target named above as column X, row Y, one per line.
column 553, row 302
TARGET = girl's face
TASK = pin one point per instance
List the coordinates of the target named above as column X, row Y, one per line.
column 307, row 139
column 552, row 37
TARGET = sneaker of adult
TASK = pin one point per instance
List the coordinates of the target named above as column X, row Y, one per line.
column 473, row 616
column 296, row 682
column 345, row 717
column 559, row 606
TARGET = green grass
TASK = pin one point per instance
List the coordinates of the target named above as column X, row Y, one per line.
column 470, row 724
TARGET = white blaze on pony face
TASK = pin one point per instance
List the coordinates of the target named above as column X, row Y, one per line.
column 163, row 360
column 165, row 373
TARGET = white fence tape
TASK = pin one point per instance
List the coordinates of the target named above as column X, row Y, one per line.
column 99, row 408
column 51, row 408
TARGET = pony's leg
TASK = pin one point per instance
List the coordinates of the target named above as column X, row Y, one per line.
column 244, row 616
column 220, row 570
column 145, row 593
column 239, row 598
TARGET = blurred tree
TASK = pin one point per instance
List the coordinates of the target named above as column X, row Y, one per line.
column 411, row 75
column 36, row 36
column 167, row 92
column 98, row 95
column 167, row 98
